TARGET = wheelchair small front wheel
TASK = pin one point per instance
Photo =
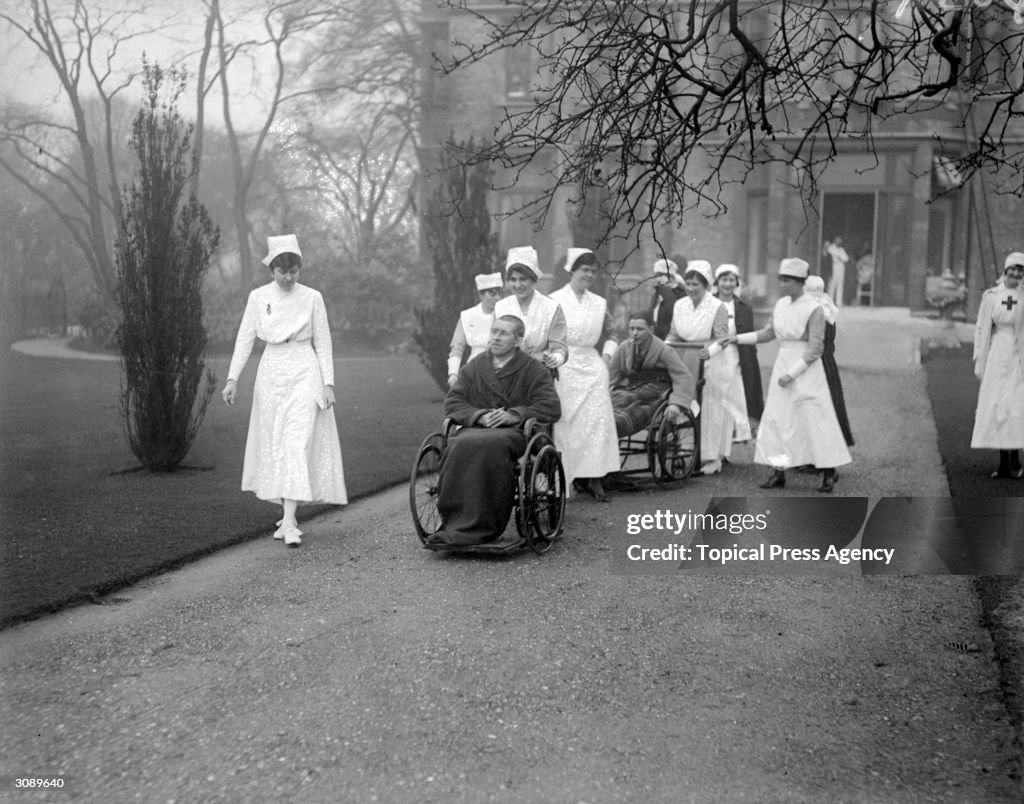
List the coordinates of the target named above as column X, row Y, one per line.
column 546, row 491
column 423, row 487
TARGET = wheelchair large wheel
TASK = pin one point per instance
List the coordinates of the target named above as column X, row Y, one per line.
column 523, row 500
column 678, row 446
column 546, row 499
column 426, row 474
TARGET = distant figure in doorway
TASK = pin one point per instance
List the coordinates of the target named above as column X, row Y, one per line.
column 865, row 275
column 840, row 258
column 999, row 364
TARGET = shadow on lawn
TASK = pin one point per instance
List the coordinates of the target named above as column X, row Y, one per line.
column 80, row 519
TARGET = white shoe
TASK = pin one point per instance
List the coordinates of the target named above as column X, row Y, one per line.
column 279, row 533
column 711, row 468
column 292, row 537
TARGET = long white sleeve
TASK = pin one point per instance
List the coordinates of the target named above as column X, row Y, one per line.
column 244, row 341
column 322, row 340
column 457, row 348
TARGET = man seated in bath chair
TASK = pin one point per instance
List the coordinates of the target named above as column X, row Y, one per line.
column 495, row 394
column 641, row 372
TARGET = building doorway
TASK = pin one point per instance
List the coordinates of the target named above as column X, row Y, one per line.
column 850, row 218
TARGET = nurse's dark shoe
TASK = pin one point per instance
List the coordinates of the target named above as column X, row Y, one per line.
column 776, row 481
column 596, row 489
column 828, row 480
column 1005, row 467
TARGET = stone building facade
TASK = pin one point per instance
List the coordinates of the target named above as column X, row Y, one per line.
column 900, row 207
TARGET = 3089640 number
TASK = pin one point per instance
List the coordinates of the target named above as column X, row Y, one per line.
column 30, row 782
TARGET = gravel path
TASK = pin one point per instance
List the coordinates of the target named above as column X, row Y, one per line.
column 364, row 668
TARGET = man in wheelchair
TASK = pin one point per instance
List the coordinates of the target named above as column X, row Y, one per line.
column 643, row 369
column 496, row 392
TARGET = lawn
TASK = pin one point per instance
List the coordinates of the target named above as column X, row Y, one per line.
column 80, row 521
column 954, row 394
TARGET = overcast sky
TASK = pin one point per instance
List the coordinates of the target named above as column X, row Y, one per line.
column 173, row 34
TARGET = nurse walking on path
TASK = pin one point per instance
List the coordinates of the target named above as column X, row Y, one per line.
column 745, row 395
column 700, row 322
column 999, row 364
column 585, row 435
column 292, row 452
column 799, row 425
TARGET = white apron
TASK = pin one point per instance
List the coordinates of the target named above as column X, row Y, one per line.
column 585, row 435
column 537, row 320
column 799, row 425
column 476, row 326
column 695, row 328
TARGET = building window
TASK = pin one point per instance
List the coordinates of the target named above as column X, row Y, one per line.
column 520, row 64
column 436, row 52
column 757, row 244
column 516, row 226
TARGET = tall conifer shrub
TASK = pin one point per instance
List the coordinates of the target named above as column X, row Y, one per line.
column 457, row 234
column 162, row 258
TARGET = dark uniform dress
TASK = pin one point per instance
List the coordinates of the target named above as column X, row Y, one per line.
column 835, row 384
column 662, row 306
column 750, row 368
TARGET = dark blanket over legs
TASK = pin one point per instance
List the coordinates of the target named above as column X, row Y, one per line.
column 477, row 484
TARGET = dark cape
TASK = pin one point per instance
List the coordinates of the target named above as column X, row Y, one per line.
column 750, row 368
column 835, row 385
column 477, row 483
column 668, row 295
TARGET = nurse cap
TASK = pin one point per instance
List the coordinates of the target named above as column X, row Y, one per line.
column 728, row 268
column 795, row 267
column 702, row 267
column 1015, row 258
column 488, row 281
column 281, row 244
column 525, row 256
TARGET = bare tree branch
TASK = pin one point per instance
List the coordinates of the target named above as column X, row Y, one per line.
column 664, row 103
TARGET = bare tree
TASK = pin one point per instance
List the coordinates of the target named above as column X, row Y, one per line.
column 664, row 103
column 374, row 57
column 289, row 30
column 202, row 89
column 366, row 163
column 363, row 179
column 70, row 162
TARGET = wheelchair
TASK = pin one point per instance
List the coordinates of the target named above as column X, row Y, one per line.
column 667, row 450
column 539, row 504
